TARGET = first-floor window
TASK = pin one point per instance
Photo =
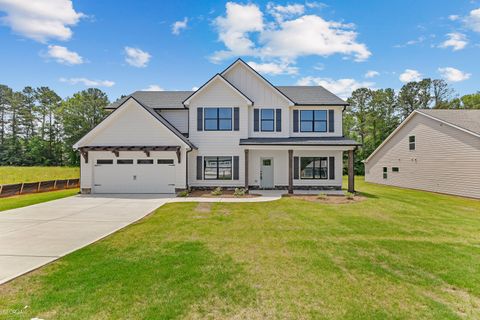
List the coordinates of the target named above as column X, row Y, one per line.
column 313, row 168
column 385, row 172
column 217, row 168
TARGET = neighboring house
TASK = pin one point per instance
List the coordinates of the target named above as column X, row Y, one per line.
column 433, row 150
column 237, row 130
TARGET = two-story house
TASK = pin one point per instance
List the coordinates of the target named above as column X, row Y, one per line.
column 237, row 130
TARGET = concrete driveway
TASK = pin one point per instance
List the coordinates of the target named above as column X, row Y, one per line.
column 33, row 236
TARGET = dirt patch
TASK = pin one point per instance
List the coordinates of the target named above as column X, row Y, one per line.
column 203, row 207
column 225, row 194
column 327, row 199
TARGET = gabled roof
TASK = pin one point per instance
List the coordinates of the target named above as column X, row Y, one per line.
column 151, row 111
column 225, row 81
column 239, row 60
column 156, row 99
column 465, row 120
column 311, row 95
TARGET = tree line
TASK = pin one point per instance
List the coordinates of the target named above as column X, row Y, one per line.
column 38, row 127
column 374, row 113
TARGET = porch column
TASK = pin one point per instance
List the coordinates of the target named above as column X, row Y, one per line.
column 351, row 171
column 290, row 171
column 246, row 169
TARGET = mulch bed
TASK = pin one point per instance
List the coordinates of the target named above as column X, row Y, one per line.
column 328, row 200
column 225, row 194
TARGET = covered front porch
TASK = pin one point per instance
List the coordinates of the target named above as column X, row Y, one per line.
column 297, row 167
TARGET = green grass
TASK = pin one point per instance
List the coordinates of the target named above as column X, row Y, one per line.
column 399, row 254
column 10, row 175
column 34, row 198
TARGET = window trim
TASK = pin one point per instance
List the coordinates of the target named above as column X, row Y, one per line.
column 395, row 169
column 320, row 159
column 218, row 168
column 272, row 120
column 385, row 173
column 313, row 121
column 412, row 143
column 217, row 118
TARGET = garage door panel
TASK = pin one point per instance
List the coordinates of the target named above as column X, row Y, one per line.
column 136, row 176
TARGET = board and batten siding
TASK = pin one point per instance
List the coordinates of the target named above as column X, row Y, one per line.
column 445, row 160
column 178, row 118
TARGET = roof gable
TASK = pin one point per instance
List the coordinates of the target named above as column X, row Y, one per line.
column 239, row 63
column 218, row 77
column 125, row 109
column 468, row 120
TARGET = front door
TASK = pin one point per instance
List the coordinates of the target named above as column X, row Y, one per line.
column 266, row 172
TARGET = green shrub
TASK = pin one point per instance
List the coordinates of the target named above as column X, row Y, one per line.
column 183, row 193
column 239, row 192
column 350, row 196
column 217, row 191
column 322, row 196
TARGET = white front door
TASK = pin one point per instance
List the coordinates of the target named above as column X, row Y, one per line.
column 266, row 172
column 130, row 175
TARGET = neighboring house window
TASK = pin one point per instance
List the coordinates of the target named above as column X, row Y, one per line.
column 411, row 143
column 313, row 120
column 313, row 168
column 395, row 169
column 385, row 172
column 218, row 119
column 217, row 168
column 267, row 119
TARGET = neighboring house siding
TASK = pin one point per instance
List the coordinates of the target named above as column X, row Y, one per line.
column 178, row 118
column 445, row 159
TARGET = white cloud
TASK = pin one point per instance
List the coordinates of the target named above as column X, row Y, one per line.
column 194, row 88
column 88, row 82
column 371, row 74
column 341, row 87
column 419, row 40
column 40, row 20
column 244, row 32
column 178, row 26
column 273, row 68
column 153, row 87
column 453, row 17
column 283, row 12
column 472, row 21
column 410, row 75
column 456, row 40
column 453, row 75
column 136, row 57
column 63, row 55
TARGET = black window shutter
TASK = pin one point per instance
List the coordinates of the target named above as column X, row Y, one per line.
column 295, row 120
column 331, row 120
column 295, row 167
column 256, row 120
column 278, row 119
column 199, row 168
column 199, row 119
column 236, row 163
column 236, row 119
column 331, row 168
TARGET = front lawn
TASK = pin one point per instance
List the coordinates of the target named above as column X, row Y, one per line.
column 9, row 174
column 399, row 254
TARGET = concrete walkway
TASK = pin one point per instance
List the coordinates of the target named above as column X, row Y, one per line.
column 33, row 236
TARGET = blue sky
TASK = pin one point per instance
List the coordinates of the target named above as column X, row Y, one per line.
column 125, row 46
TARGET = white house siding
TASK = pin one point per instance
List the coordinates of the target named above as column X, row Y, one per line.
column 132, row 126
column 446, row 159
column 178, row 118
column 338, row 117
column 217, row 143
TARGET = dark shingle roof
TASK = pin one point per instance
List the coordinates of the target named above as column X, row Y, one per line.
column 157, row 99
column 300, row 95
column 466, row 119
column 308, row 95
column 312, row 141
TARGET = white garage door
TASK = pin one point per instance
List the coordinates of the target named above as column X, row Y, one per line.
column 129, row 175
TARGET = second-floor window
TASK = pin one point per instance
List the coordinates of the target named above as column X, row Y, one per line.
column 218, row 119
column 313, row 120
column 267, row 119
column 411, row 142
